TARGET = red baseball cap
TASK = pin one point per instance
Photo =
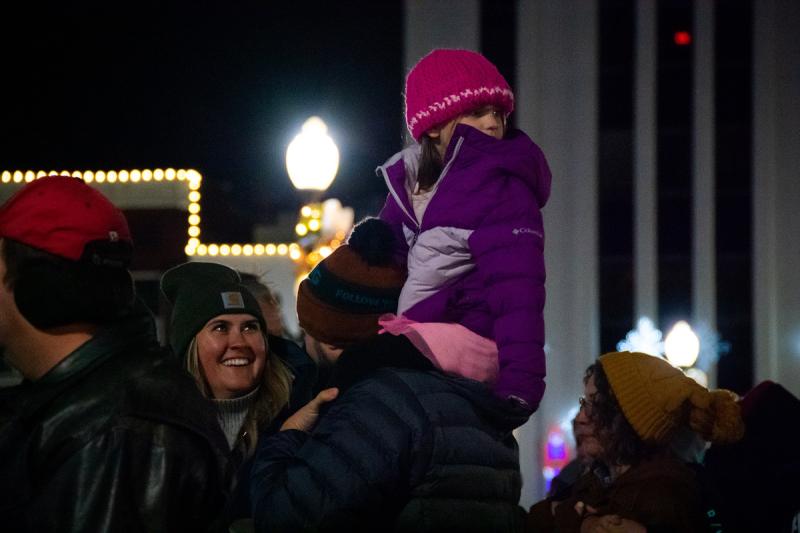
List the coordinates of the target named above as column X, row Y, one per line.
column 61, row 215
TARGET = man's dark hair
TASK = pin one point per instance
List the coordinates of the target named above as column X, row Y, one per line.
column 621, row 444
column 51, row 291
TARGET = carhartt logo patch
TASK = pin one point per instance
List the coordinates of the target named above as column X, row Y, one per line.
column 113, row 236
column 232, row 300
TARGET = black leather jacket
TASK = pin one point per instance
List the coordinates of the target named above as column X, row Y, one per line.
column 116, row 437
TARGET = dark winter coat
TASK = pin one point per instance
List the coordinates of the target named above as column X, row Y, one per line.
column 662, row 493
column 403, row 448
column 476, row 257
column 116, row 437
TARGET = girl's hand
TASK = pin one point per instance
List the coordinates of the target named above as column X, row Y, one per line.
column 305, row 418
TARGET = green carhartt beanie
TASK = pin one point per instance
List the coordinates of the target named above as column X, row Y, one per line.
column 200, row 291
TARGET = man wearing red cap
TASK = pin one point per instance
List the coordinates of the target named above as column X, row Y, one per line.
column 105, row 433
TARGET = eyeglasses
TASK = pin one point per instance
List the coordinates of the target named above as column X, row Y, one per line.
column 586, row 404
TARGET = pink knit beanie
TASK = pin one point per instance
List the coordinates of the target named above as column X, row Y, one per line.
column 446, row 83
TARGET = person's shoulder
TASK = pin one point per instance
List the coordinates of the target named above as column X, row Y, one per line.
column 390, row 382
column 520, row 141
column 98, row 386
column 667, row 463
column 506, row 178
column 291, row 354
column 129, row 397
column 389, row 392
column 154, row 375
column 146, row 389
column 663, row 475
column 162, row 389
column 523, row 162
column 423, row 388
column 426, row 381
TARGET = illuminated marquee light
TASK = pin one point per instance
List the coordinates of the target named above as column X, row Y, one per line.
column 556, row 454
column 193, row 179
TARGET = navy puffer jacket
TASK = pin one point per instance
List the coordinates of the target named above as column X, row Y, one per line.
column 404, row 448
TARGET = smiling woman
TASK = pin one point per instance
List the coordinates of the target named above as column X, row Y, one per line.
column 218, row 329
column 218, row 326
column 232, row 352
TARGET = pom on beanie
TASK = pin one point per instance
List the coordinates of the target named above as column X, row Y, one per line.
column 716, row 416
column 340, row 301
column 657, row 398
column 373, row 240
column 447, row 83
column 199, row 292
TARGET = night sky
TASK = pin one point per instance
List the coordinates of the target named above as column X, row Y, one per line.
column 221, row 87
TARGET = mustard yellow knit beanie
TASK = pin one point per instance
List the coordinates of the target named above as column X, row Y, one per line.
column 656, row 398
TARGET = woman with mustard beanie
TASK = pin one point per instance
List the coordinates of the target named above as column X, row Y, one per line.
column 634, row 405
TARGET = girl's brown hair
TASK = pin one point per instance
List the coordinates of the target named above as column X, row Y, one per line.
column 430, row 164
column 430, row 161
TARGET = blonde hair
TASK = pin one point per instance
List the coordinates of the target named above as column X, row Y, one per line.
column 273, row 395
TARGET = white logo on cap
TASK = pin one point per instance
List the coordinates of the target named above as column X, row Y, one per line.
column 232, row 300
column 113, row 236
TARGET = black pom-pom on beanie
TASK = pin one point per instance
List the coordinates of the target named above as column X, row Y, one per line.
column 373, row 240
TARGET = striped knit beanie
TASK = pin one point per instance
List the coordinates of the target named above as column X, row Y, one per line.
column 447, row 83
column 657, row 398
column 340, row 301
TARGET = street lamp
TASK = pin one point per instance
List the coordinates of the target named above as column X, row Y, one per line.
column 681, row 345
column 312, row 158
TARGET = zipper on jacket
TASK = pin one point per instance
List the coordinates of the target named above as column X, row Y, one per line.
column 399, row 201
column 396, row 197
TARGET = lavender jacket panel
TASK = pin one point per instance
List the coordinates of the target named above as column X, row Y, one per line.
column 491, row 191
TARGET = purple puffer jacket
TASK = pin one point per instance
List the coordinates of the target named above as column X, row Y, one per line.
column 477, row 256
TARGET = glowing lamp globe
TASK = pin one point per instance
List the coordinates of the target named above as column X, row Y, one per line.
column 682, row 345
column 312, row 158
